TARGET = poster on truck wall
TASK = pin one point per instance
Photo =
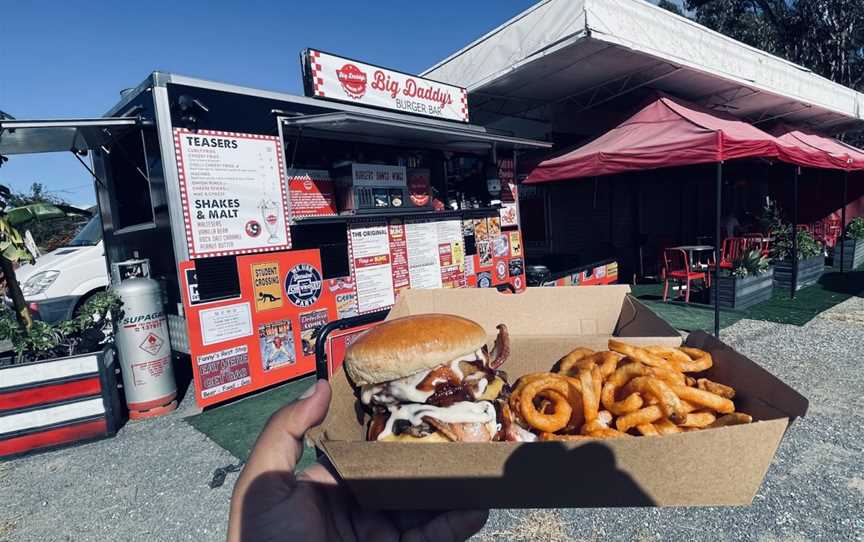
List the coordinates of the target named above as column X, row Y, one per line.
column 232, row 188
column 239, row 345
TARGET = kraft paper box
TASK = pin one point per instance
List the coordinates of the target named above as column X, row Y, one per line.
column 717, row 467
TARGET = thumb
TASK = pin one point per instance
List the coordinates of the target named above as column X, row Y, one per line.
column 280, row 444
column 276, row 453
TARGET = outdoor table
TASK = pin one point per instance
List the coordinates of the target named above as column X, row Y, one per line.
column 695, row 249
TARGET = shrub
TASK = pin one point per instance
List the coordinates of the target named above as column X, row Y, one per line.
column 855, row 229
column 752, row 263
column 84, row 333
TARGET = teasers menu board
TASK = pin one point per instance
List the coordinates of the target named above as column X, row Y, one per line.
column 369, row 246
column 232, row 188
column 310, row 193
column 252, row 341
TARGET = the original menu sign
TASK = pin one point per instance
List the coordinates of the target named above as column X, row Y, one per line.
column 369, row 244
column 337, row 78
column 232, row 188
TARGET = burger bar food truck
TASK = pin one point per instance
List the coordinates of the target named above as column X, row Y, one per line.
column 266, row 215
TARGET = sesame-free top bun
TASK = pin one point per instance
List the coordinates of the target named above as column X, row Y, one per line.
column 403, row 346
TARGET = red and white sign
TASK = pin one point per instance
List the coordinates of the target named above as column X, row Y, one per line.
column 310, row 193
column 232, row 188
column 338, row 78
column 398, row 255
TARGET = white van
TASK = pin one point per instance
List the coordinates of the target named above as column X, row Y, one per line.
column 57, row 284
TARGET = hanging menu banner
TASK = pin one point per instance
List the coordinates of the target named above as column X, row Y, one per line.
column 369, row 244
column 336, row 78
column 232, row 188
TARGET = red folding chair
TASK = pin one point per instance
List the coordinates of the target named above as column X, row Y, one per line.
column 755, row 241
column 676, row 266
column 731, row 249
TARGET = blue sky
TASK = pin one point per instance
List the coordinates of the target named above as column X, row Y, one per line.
column 62, row 59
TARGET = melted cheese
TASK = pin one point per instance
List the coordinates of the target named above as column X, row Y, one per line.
column 405, row 389
column 461, row 412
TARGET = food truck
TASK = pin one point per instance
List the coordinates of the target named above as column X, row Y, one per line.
column 265, row 215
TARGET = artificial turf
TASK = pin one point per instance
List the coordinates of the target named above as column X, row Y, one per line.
column 833, row 288
column 235, row 426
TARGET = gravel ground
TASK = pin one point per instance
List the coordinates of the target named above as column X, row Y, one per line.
column 150, row 482
column 814, row 489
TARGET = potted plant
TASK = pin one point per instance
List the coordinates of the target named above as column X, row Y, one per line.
column 748, row 283
column 57, row 382
column 811, row 258
column 853, row 249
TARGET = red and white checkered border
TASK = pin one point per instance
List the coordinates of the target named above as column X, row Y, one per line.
column 184, row 199
column 317, row 79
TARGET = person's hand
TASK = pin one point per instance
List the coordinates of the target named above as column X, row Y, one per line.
column 271, row 503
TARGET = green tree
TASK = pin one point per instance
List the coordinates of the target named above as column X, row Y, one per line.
column 12, row 252
column 826, row 36
column 670, row 6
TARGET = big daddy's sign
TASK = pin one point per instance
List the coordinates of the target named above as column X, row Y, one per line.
column 337, row 78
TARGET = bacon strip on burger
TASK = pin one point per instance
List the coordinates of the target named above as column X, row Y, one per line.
column 431, row 378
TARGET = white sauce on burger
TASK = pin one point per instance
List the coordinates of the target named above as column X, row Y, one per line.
column 405, row 389
column 461, row 412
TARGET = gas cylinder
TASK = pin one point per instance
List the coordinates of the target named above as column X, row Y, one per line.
column 144, row 349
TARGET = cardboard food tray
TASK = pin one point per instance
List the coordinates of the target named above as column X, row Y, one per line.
column 717, row 467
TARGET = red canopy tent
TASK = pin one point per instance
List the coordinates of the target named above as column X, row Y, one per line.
column 847, row 157
column 669, row 133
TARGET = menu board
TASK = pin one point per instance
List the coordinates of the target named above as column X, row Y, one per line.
column 310, row 193
column 424, row 266
column 232, row 188
column 399, row 255
column 369, row 245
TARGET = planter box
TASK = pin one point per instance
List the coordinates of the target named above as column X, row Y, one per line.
column 853, row 254
column 809, row 271
column 57, row 402
column 740, row 293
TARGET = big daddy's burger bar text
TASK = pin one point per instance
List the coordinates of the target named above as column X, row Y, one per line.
column 439, row 97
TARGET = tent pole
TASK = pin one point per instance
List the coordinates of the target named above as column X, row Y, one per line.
column 717, row 243
column 843, row 219
column 794, row 231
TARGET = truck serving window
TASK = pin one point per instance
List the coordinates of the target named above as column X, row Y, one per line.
column 129, row 170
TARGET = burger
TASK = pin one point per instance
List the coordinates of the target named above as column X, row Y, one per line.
column 432, row 378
